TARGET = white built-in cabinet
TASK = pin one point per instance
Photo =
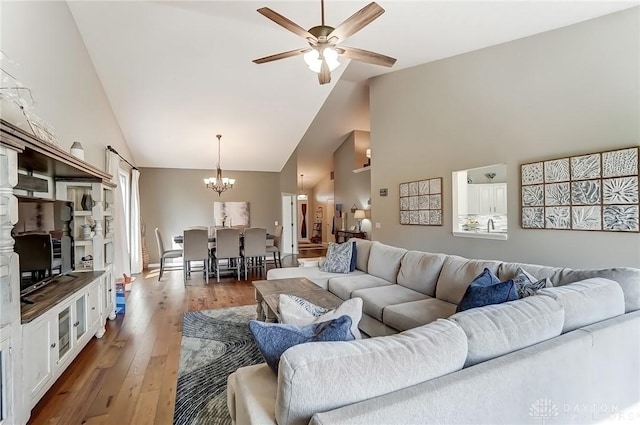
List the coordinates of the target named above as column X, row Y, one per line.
column 33, row 354
column 56, row 337
column 489, row 198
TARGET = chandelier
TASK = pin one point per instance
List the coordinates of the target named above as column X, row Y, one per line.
column 218, row 183
column 302, row 196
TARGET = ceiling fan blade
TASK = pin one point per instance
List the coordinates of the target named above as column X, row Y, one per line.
column 365, row 56
column 356, row 22
column 286, row 23
column 282, row 55
column 324, row 77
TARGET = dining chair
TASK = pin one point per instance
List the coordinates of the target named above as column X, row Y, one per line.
column 165, row 254
column 196, row 248
column 228, row 248
column 275, row 248
column 254, row 249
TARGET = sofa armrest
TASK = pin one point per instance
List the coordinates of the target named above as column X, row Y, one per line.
column 251, row 395
column 321, row 376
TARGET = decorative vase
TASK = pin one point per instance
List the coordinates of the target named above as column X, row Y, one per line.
column 146, row 258
column 77, row 150
column 87, row 202
column 109, row 229
column 86, row 232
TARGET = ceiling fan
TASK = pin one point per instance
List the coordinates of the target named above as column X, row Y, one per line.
column 322, row 55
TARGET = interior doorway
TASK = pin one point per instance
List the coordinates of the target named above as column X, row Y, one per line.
column 329, row 213
column 289, row 242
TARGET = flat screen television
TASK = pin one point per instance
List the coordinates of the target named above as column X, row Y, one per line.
column 44, row 241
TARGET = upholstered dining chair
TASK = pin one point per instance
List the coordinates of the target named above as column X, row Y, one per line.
column 196, row 248
column 254, row 250
column 228, row 248
column 275, row 248
column 165, row 254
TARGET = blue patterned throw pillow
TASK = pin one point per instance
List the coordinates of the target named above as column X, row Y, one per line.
column 273, row 339
column 487, row 289
column 338, row 258
column 354, row 257
column 528, row 285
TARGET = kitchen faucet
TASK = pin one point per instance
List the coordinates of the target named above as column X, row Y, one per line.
column 492, row 224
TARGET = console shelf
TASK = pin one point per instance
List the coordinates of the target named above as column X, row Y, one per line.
column 60, row 288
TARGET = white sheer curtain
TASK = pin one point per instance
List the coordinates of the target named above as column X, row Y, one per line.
column 121, row 262
column 136, row 235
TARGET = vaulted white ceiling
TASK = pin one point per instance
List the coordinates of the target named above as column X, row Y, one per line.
column 177, row 73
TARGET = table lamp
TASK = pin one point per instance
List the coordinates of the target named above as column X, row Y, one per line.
column 359, row 215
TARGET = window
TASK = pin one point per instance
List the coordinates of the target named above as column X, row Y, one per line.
column 480, row 202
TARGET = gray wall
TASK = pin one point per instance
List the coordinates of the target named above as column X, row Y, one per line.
column 570, row 91
column 174, row 199
column 351, row 188
column 53, row 62
column 289, row 175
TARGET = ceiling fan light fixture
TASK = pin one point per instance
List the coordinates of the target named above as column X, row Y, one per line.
column 331, row 56
column 312, row 59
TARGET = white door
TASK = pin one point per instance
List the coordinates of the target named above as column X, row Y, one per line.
column 289, row 242
column 329, row 211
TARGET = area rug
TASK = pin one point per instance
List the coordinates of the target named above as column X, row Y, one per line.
column 214, row 344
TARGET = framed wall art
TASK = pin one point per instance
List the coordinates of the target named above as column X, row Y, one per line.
column 597, row 192
column 229, row 214
column 421, row 202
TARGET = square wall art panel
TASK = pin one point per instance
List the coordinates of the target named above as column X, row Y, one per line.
column 421, row 202
column 596, row 191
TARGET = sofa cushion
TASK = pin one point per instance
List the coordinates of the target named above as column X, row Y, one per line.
column 499, row 329
column 363, row 247
column 318, row 377
column 338, row 258
column 312, row 273
column 300, row 312
column 384, row 261
column 486, row 289
column 344, row 286
column 273, row 339
column 456, row 275
column 251, row 395
column 420, row 270
column 626, row 277
column 417, row 313
column 374, row 300
column 588, row 301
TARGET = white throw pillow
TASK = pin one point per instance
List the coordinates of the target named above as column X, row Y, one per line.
column 292, row 312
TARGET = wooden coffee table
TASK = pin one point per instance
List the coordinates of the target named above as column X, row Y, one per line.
column 268, row 294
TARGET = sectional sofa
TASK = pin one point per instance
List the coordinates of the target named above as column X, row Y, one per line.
column 404, row 289
column 569, row 354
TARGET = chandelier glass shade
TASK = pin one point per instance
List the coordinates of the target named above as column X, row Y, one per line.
column 218, row 183
column 301, row 195
column 313, row 60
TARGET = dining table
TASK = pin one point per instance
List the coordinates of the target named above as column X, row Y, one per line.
column 180, row 238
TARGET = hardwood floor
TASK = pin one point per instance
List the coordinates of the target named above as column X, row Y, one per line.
column 129, row 375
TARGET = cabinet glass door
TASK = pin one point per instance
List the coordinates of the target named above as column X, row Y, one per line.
column 64, row 332
column 81, row 317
